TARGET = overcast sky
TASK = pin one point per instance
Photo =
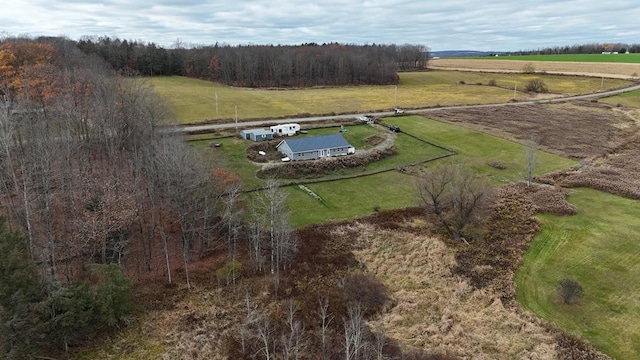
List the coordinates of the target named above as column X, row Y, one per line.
column 491, row 25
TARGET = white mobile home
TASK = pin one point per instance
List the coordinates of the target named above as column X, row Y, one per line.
column 285, row 129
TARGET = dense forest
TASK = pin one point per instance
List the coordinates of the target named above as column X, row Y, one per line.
column 591, row 48
column 263, row 65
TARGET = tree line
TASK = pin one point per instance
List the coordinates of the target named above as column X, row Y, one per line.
column 93, row 192
column 590, row 48
column 302, row 65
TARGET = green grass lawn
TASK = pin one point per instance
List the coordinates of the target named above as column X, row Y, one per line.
column 346, row 199
column 613, row 58
column 600, row 248
column 479, row 150
column 193, row 100
column 629, row 99
column 351, row 198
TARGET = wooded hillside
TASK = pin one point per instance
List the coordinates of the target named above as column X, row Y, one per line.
column 95, row 192
column 264, row 65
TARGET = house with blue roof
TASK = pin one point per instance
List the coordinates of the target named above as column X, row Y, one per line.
column 315, row 147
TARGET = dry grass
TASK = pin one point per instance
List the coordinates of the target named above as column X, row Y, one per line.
column 194, row 100
column 434, row 307
column 439, row 311
column 577, row 130
column 617, row 172
column 611, row 70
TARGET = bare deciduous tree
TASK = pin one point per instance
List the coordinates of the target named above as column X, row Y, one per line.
column 232, row 216
column 454, row 196
column 325, row 320
column 275, row 217
column 293, row 342
column 530, row 156
column 353, row 332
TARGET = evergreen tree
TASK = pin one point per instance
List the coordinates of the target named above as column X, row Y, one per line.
column 20, row 291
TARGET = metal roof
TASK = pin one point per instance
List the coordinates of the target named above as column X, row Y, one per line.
column 257, row 131
column 317, row 143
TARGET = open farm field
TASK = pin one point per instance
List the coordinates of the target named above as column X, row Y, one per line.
column 599, row 248
column 577, row 130
column 595, row 69
column 597, row 58
column 194, row 100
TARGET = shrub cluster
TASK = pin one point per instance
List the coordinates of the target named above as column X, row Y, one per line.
column 253, row 152
column 569, row 290
column 311, row 168
column 536, row 86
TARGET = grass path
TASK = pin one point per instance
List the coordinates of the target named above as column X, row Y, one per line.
column 600, row 248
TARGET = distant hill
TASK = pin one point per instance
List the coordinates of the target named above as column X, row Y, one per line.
column 462, row 53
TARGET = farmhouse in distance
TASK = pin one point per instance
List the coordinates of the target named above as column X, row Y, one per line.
column 315, row 147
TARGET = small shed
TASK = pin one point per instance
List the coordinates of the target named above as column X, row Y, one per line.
column 315, row 147
column 285, row 129
column 256, row 134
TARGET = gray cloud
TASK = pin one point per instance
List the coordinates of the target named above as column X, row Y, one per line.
column 451, row 24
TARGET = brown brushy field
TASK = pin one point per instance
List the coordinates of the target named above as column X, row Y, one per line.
column 613, row 70
column 604, row 137
column 577, row 130
column 435, row 299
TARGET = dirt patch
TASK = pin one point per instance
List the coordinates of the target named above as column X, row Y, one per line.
column 578, row 130
column 611, row 70
column 375, row 140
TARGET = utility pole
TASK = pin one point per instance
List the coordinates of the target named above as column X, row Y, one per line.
column 236, row 118
column 395, row 98
column 216, row 104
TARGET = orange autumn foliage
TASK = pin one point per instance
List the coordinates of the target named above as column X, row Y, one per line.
column 224, row 176
column 27, row 71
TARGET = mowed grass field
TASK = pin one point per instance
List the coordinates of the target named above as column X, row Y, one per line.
column 629, row 99
column 350, row 198
column 194, row 100
column 599, row 248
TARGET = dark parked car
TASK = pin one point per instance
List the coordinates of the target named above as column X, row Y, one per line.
column 394, row 128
